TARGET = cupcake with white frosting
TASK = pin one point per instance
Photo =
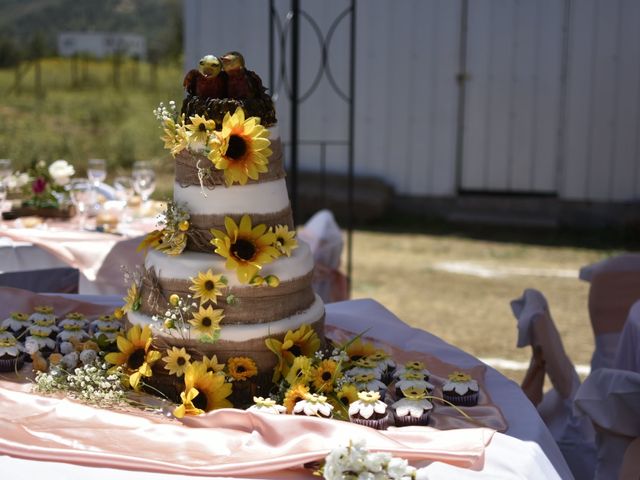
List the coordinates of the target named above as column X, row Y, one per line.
column 461, row 389
column 71, row 329
column 266, row 405
column 369, row 410
column 385, row 364
column 39, row 339
column 365, row 366
column 368, row 382
column 412, row 381
column 17, row 323
column 313, row 405
column 76, row 318
column 43, row 315
column 11, row 354
column 413, row 366
column 413, row 409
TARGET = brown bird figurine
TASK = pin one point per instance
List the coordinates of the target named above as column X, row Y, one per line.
column 209, row 81
column 241, row 83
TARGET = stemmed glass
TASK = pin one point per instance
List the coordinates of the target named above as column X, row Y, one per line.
column 124, row 192
column 81, row 194
column 5, row 172
column 144, row 180
column 97, row 173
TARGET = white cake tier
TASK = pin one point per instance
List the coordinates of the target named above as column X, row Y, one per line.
column 188, row 264
column 263, row 198
column 243, row 333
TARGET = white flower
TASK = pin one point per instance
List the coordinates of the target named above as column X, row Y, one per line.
column 266, row 405
column 413, row 407
column 17, row 180
column 367, row 403
column 313, row 405
column 61, row 172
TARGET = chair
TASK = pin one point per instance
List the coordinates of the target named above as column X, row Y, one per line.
column 324, row 237
column 615, row 286
column 610, row 398
column 574, row 435
column 628, row 354
column 47, row 280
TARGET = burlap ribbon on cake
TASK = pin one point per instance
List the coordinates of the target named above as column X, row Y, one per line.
column 199, row 235
column 189, row 164
column 251, row 305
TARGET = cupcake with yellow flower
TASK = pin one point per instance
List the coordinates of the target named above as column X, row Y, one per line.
column 43, row 314
column 413, row 408
column 266, row 405
column 370, row 411
column 461, row 389
column 17, row 323
column 313, row 405
column 11, row 354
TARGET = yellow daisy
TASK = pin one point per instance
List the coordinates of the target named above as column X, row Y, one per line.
column 176, row 361
column 300, row 371
column 241, row 148
column 199, row 130
column 285, row 240
column 324, row 375
column 206, row 321
column 241, row 368
column 152, row 239
column 207, row 287
column 347, row 394
column 246, row 248
column 135, row 354
column 293, row 395
column 131, row 299
column 211, row 391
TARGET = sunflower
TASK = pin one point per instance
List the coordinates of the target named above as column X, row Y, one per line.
column 206, row 321
column 293, row 395
column 302, row 342
column 207, row 287
column 152, row 239
column 131, row 301
column 300, row 371
column 246, row 248
column 241, row 368
column 135, row 354
column 347, row 394
column 199, row 130
column 211, row 391
column 172, row 242
column 212, row 364
column 241, row 148
column 177, row 360
column 285, row 240
column 358, row 349
column 324, row 375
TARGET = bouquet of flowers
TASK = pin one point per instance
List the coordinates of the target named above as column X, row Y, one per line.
column 45, row 188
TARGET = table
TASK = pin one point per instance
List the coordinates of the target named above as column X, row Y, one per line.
column 526, row 450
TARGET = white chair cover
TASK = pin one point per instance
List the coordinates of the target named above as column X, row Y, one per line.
column 628, row 354
column 611, row 399
column 324, row 237
column 574, row 435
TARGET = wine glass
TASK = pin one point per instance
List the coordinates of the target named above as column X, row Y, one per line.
column 144, row 180
column 80, row 191
column 96, row 170
column 124, row 192
column 5, row 168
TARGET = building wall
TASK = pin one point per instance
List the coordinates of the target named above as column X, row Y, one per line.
column 551, row 96
column 101, row 44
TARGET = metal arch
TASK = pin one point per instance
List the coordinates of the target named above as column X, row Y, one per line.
column 330, row 77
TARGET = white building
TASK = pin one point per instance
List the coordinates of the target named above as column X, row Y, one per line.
column 549, row 106
column 101, row 44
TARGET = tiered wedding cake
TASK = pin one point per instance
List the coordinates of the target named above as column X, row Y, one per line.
column 226, row 271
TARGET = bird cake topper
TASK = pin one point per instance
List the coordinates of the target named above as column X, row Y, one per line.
column 221, row 84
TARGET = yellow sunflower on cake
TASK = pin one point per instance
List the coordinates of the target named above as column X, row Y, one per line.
column 285, row 240
column 131, row 299
column 241, row 368
column 245, row 247
column 176, row 361
column 151, row 240
column 207, row 287
column 199, row 131
column 135, row 354
column 212, row 364
column 241, row 148
column 206, row 321
column 203, row 391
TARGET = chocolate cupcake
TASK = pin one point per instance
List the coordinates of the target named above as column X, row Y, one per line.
column 17, row 323
column 368, row 410
column 412, row 380
column 39, row 340
column 266, row 405
column 43, row 313
column 461, row 390
column 313, row 405
column 11, row 354
column 368, row 382
column 384, row 363
column 77, row 318
column 413, row 408
column 71, row 329
column 413, row 367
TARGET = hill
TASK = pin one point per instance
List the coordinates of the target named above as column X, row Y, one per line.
column 160, row 21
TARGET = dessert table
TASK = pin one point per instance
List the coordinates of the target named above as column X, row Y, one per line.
column 525, row 450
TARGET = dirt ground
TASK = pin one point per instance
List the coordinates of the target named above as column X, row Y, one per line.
column 459, row 289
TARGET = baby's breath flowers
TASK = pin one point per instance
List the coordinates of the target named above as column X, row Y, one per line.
column 92, row 383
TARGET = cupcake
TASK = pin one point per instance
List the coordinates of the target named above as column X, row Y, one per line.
column 39, row 340
column 385, row 364
column 106, row 325
column 460, row 389
column 266, row 405
column 11, row 354
column 368, row 410
column 17, row 323
column 409, row 380
column 313, row 405
column 45, row 323
column 368, row 382
column 43, row 313
column 413, row 408
column 71, row 329
column 364, row 366
column 76, row 317
column 413, row 367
